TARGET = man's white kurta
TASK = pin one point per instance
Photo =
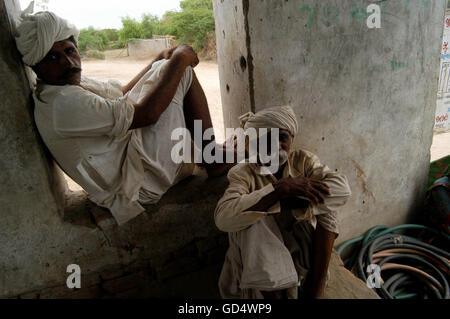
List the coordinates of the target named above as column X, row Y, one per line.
column 259, row 256
column 86, row 129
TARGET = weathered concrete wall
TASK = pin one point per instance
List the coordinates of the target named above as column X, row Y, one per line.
column 39, row 239
column 171, row 250
column 365, row 98
column 143, row 48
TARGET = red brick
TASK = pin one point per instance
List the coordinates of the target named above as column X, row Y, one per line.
column 29, row 295
column 129, row 294
column 111, row 273
column 86, row 293
column 178, row 267
column 124, row 283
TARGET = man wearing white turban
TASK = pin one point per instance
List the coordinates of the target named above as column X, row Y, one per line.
column 281, row 226
column 113, row 140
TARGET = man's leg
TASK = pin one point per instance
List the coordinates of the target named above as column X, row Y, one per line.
column 196, row 108
column 267, row 267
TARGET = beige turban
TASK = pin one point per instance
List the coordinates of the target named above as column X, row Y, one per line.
column 282, row 117
column 37, row 33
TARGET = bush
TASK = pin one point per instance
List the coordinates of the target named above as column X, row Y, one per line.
column 92, row 39
column 94, row 54
column 193, row 24
column 111, row 34
column 131, row 29
column 115, row 45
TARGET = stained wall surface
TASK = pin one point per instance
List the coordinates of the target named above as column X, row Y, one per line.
column 365, row 98
column 376, row 123
column 141, row 48
column 160, row 253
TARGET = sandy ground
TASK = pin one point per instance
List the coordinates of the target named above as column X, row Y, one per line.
column 440, row 146
column 125, row 68
column 117, row 66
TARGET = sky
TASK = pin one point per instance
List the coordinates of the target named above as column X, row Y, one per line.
column 102, row 14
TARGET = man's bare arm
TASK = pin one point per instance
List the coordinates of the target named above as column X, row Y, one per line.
column 268, row 200
column 291, row 187
column 323, row 241
column 148, row 111
column 166, row 54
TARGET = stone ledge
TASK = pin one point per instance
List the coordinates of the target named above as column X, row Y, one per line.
column 196, row 190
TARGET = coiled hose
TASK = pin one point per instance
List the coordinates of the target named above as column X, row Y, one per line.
column 397, row 266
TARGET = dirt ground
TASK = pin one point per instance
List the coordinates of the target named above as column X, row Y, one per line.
column 124, row 68
column 121, row 67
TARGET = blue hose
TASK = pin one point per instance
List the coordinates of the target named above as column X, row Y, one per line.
column 432, row 269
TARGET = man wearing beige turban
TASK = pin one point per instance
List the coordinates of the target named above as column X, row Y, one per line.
column 113, row 140
column 281, row 226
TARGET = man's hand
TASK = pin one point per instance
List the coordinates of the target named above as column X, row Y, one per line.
column 309, row 188
column 186, row 54
column 166, row 54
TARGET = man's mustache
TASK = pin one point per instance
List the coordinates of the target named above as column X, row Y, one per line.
column 69, row 72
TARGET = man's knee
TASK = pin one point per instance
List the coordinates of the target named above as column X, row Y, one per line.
column 186, row 80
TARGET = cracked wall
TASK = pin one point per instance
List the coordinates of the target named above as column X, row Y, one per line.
column 161, row 253
column 365, row 98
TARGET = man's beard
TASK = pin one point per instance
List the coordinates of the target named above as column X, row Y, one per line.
column 283, row 156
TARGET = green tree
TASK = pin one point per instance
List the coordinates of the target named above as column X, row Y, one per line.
column 149, row 24
column 131, row 29
column 111, row 34
column 92, row 39
column 196, row 4
column 193, row 24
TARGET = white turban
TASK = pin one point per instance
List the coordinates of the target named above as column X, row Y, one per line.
column 282, row 117
column 37, row 33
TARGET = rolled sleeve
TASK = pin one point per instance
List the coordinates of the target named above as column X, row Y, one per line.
column 78, row 112
column 231, row 213
column 329, row 222
column 337, row 183
column 326, row 214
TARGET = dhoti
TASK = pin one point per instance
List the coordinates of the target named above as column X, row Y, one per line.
column 272, row 254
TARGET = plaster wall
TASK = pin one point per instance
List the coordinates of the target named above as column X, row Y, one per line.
column 44, row 229
column 139, row 48
column 365, row 98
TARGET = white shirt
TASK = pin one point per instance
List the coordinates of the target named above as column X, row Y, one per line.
column 86, row 130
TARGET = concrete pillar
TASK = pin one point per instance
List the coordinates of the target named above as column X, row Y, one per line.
column 365, row 98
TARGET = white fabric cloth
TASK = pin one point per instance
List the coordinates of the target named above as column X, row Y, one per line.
column 37, row 33
column 282, row 117
column 264, row 257
column 86, row 131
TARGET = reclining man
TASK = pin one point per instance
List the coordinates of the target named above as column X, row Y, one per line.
column 113, row 140
column 281, row 226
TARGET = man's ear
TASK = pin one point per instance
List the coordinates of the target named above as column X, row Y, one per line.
column 35, row 69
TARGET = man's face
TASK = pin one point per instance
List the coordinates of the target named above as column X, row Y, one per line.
column 284, row 144
column 61, row 65
column 285, row 139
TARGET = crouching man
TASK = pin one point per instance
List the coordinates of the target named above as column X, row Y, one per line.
column 281, row 225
